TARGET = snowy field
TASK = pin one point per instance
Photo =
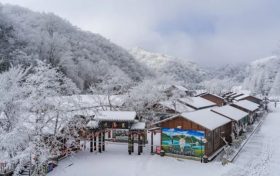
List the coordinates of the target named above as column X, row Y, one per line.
column 260, row 157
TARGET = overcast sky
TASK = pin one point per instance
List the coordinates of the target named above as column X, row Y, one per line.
column 205, row 31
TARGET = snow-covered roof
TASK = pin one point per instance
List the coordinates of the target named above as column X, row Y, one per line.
column 241, row 97
column 138, row 126
column 230, row 112
column 179, row 107
column 115, row 116
column 227, row 93
column 3, row 115
column 85, row 101
column 230, row 95
column 180, row 88
column 98, row 115
column 246, row 104
column 199, row 92
column 206, row 118
column 92, row 124
column 237, row 95
column 212, row 95
column 197, row 102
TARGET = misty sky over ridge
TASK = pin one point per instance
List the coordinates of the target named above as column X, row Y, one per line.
column 207, row 32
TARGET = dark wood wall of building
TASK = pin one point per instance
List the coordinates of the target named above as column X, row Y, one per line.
column 253, row 99
column 241, row 108
column 214, row 140
column 212, row 98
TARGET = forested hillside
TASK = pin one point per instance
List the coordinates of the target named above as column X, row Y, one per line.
column 84, row 57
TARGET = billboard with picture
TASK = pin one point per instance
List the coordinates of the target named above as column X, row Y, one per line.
column 183, row 142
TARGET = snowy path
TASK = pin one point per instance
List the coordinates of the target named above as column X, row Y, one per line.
column 116, row 161
column 261, row 155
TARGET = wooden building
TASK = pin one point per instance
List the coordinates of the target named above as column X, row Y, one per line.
column 232, row 97
column 238, row 117
column 199, row 133
column 172, row 107
column 197, row 103
column 250, row 98
column 249, row 107
column 220, row 101
column 228, row 94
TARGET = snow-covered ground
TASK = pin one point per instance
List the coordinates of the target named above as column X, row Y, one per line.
column 259, row 157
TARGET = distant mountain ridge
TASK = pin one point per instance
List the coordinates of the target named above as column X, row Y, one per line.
column 160, row 64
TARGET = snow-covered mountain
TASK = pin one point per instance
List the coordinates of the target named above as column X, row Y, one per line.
column 261, row 75
column 84, row 57
column 160, row 64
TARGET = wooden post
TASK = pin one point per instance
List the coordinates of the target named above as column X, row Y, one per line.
column 78, row 143
column 132, row 142
column 109, row 134
column 139, row 147
column 91, row 142
column 141, row 143
column 99, row 142
column 103, row 141
column 129, row 143
column 144, row 139
column 152, row 142
column 94, row 139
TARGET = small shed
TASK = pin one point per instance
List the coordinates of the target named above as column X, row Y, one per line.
column 220, row 101
column 250, row 98
column 232, row 113
column 238, row 117
column 195, row 133
column 249, row 107
column 197, row 103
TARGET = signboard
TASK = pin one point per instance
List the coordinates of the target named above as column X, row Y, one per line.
column 120, row 135
column 114, row 125
column 183, row 142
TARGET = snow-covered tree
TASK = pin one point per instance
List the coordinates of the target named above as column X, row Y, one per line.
column 275, row 89
column 114, row 82
column 218, row 86
column 261, row 75
column 83, row 56
column 11, row 92
column 146, row 94
column 25, row 110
